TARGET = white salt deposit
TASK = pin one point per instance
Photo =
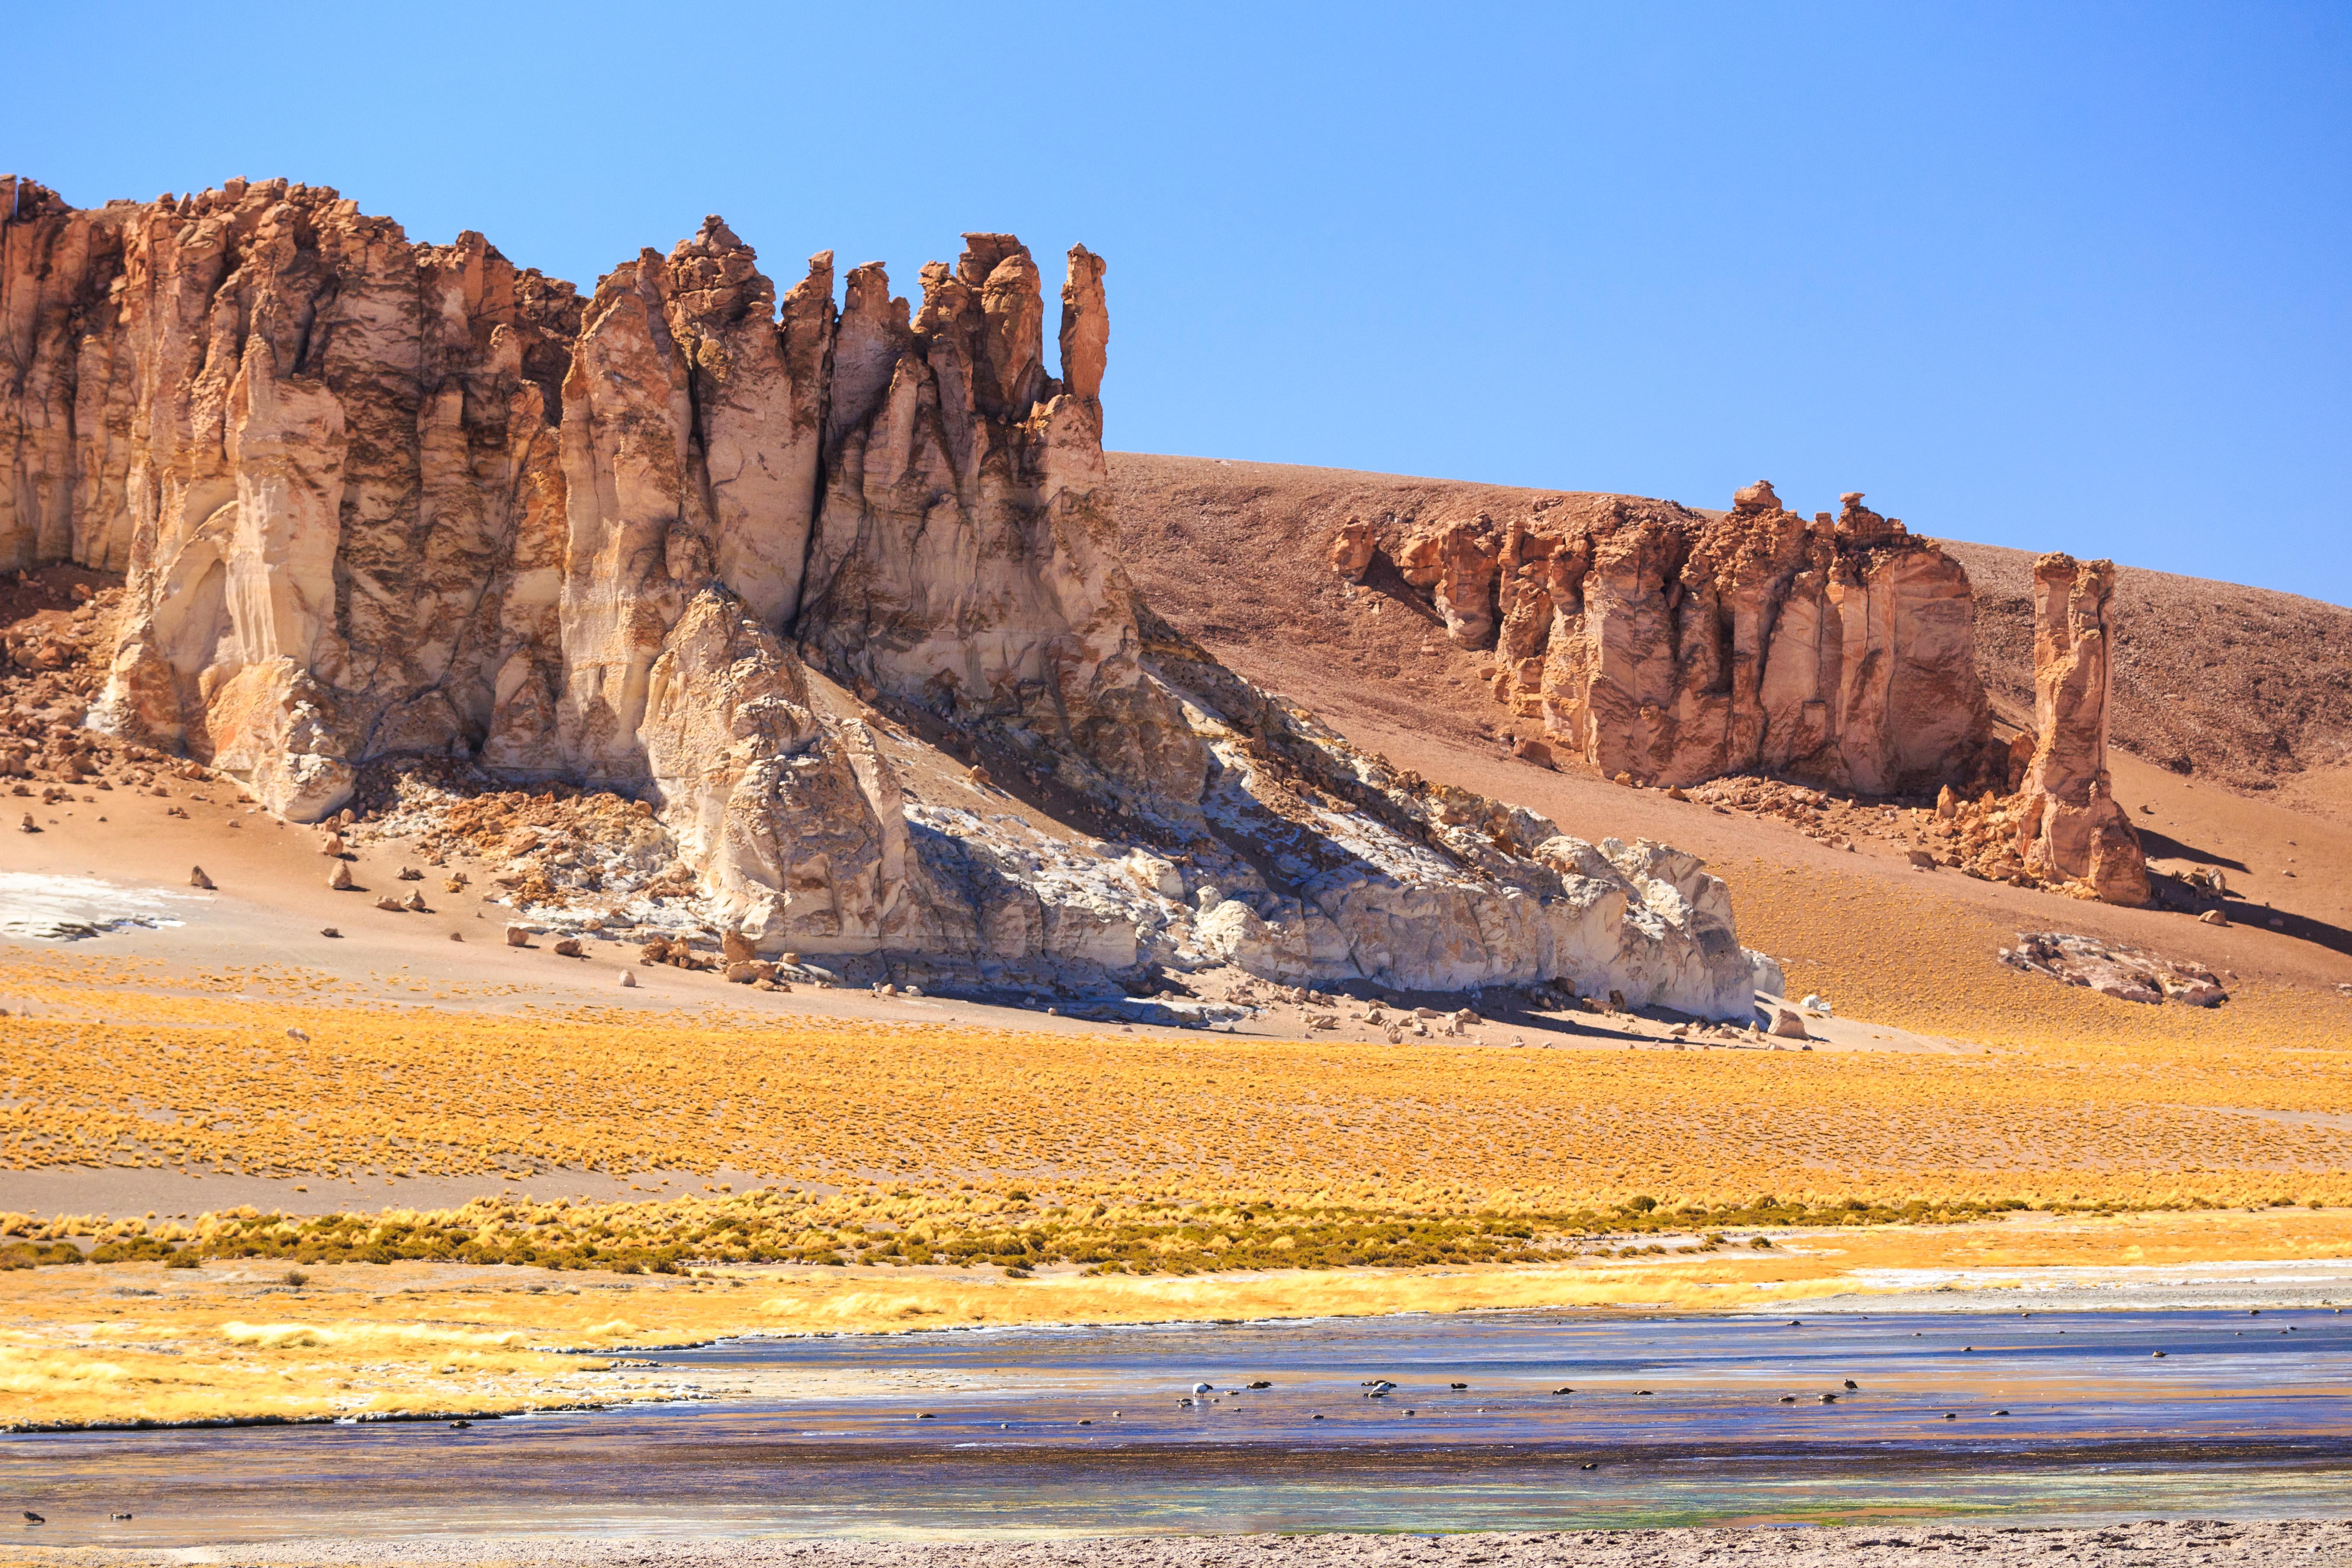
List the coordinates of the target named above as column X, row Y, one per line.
column 66, row 908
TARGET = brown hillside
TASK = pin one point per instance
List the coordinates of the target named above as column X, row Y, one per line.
column 2244, row 687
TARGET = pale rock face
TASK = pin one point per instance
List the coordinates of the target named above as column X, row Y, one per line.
column 2070, row 825
column 964, row 552
column 767, row 798
column 710, row 549
column 316, row 449
column 1653, row 640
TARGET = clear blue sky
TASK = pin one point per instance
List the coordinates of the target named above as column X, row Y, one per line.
column 2058, row 276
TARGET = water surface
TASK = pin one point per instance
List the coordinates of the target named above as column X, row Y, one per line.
column 2048, row 1418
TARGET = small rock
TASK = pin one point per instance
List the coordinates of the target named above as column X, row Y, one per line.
column 1789, row 1026
column 332, row 844
column 196, row 879
column 341, row 880
column 391, row 905
column 2213, row 918
column 414, row 904
column 28, row 826
column 568, row 948
column 518, row 936
column 737, row 948
column 411, row 874
column 627, row 979
column 329, row 931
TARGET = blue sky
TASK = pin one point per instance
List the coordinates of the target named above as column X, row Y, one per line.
column 2057, row 275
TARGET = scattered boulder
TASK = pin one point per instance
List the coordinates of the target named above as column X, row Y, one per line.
column 414, row 904
column 743, row 972
column 735, row 948
column 329, row 931
column 1353, row 551
column 391, row 905
column 28, row 824
column 2213, row 918
column 568, row 947
column 411, row 874
column 1788, row 1025
column 626, row 979
column 2110, row 969
column 196, row 879
column 518, row 936
column 341, row 880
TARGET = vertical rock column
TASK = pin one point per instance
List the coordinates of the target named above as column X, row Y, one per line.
column 2070, row 826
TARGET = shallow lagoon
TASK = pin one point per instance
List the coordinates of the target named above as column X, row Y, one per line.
column 1085, row 1431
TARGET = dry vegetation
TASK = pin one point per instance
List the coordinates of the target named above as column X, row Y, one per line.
column 2190, row 1108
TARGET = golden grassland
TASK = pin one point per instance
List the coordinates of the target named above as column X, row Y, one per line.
column 1911, row 958
column 140, row 1342
column 2240, row 1106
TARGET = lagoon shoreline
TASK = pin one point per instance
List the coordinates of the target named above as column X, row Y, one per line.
column 2148, row 1543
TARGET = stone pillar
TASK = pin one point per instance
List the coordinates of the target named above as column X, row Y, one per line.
column 2071, row 827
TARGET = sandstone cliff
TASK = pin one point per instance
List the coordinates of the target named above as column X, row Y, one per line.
column 390, row 508
column 1673, row 645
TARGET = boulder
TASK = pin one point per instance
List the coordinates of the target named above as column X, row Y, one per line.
column 1353, row 549
column 196, row 879
column 518, row 936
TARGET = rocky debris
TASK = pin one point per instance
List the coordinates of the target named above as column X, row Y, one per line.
column 196, row 879
column 2110, row 969
column 415, row 903
column 1674, row 647
column 684, row 557
column 391, row 905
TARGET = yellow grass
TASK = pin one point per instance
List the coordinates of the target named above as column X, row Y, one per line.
column 130, row 1343
column 2213, row 1111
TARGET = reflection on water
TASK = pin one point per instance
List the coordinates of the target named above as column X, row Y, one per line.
column 1670, row 1421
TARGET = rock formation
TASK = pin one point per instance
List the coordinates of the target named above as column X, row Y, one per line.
column 1673, row 645
column 741, row 567
column 2069, row 826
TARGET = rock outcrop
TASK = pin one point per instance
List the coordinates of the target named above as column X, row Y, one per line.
column 746, row 569
column 2068, row 824
column 1673, row 645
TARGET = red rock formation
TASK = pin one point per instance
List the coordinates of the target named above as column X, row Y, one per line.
column 2069, row 826
column 1674, row 647
column 385, row 503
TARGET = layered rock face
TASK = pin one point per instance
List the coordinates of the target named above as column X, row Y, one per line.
column 1673, row 647
column 380, row 504
column 2068, row 824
